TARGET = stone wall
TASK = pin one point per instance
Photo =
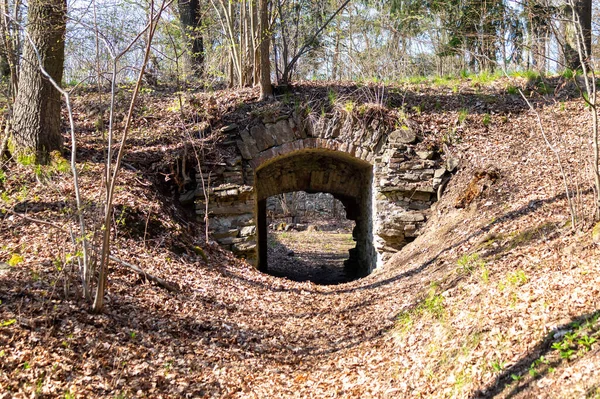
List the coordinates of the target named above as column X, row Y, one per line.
column 378, row 172
column 302, row 205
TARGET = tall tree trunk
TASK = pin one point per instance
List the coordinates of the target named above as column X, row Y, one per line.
column 255, row 43
column 10, row 43
column 539, row 15
column 189, row 17
column 583, row 13
column 266, row 89
column 336, row 57
column 36, row 119
column 4, row 64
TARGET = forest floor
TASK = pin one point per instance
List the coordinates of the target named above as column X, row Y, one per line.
column 315, row 256
column 497, row 299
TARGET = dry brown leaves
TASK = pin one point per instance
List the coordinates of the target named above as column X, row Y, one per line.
column 424, row 325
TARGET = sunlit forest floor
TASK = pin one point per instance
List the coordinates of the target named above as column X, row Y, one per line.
column 497, row 299
column 316, row 256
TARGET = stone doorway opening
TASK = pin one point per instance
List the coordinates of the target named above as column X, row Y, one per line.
column 343, row 178
column 310, row 238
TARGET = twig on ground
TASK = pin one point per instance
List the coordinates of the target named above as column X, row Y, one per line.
column 33, row 220
column 172, row 287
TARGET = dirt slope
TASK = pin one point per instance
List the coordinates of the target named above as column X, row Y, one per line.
column 480, row 305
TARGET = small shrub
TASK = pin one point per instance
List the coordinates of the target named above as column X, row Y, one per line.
column 349, row 106
column 486, row 119
column 60, row 164
column 512, row 90
column 469, row 264
column 515, row 279
column 568, row 74
column 484, row 77
column 26, row 160
column 528, row 74
column 462, row 116
column 332, row 97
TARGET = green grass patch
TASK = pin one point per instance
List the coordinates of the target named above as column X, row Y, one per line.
column 26, row 159
column 580, row 339
column 432, row 306
column 513, row 279
column 59, row 164
column 416, row 79
column 512, row 90
column 462, row 116
column 528, row 74
column 485, row 77
column 486, row 120
column 568, row 74
column 471, row 264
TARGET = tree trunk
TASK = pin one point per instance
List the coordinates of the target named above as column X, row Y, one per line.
column 4, row 65
column 36, row 119
column 583, row 10
column 255, row 43
column 189, row 17
column 266, row 89
column 539, row 15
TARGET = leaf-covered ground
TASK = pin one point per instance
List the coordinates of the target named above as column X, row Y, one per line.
column 315, row 256
column 499, row 299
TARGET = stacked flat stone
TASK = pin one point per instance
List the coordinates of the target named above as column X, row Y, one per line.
column 323, row 154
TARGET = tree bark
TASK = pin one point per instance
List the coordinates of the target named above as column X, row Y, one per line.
column 266, row 89
column 189, row 17
column 36, row 119
column 4, row 63
column 583, row 13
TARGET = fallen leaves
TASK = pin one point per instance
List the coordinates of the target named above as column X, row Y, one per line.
column 234, row 332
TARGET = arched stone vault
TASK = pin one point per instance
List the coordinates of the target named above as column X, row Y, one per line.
column 312, row 170
column 385, row 182
column 321, row 170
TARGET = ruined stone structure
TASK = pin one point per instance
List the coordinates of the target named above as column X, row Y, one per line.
column 300, row 205
column 385, row 185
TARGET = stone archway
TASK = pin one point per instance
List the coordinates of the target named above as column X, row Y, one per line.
column 383, row 177
column 349, row 179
